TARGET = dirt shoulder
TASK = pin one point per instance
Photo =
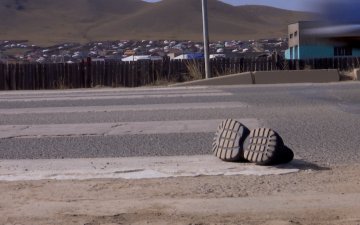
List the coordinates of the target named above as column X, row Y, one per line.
column 312, row 196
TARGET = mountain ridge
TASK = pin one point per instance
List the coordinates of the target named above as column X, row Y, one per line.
column 49, row 21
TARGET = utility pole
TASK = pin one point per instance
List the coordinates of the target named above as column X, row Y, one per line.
column 206, row 38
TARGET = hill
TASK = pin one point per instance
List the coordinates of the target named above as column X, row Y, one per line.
column 51, row 21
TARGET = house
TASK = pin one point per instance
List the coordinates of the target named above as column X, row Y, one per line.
column 141, row 57
column 309, row 39
column 129, row 52
column 190, row 56
column 173, row 52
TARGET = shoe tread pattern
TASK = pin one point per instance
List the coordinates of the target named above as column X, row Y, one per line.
column 262, row 146
column 227, row 143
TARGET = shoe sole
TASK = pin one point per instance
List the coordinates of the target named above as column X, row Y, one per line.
column 229, row 139
column 262, row 146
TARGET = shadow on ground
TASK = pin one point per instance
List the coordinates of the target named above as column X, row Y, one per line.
column 302, row 165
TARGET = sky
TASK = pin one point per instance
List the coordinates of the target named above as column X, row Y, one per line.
column 302, row 5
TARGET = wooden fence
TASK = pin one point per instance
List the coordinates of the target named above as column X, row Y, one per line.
column 87, row 74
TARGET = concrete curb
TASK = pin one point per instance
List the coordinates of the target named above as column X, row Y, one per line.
column 270, row 77
column 133, row 168
column 298, row 76
column 233, row 79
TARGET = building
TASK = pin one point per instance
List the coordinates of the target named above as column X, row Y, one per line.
column 141, row 57
column 190, row 56
column 309, row 39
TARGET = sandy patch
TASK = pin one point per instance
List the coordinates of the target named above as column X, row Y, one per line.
column 318, row 196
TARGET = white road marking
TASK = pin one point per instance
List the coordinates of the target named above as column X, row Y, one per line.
column 116, row 129
column 76, row 98
column 84, row 95
column 132, row 168
column 103, row 94
column 126, row 168
column 124, row 108
column 100, row 90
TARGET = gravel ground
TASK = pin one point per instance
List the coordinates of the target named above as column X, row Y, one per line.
column 316, row 195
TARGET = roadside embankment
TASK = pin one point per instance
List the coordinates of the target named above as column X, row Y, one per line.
column 270, row 77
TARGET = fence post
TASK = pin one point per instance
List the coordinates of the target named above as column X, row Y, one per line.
column 2, row 76
column 12, row 73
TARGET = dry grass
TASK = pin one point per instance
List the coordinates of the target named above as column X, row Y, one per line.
column 161, row 82
column 60, row 84
column 348, row 75
column 194, row 70
column 226, row 71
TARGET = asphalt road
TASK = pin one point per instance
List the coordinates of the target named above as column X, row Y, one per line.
column 320, row 122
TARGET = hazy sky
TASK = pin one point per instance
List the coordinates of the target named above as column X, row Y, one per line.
column 286, row 4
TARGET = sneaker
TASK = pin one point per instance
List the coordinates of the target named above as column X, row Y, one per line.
column 285, row 155
column 265, row 147
column 229, row 140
